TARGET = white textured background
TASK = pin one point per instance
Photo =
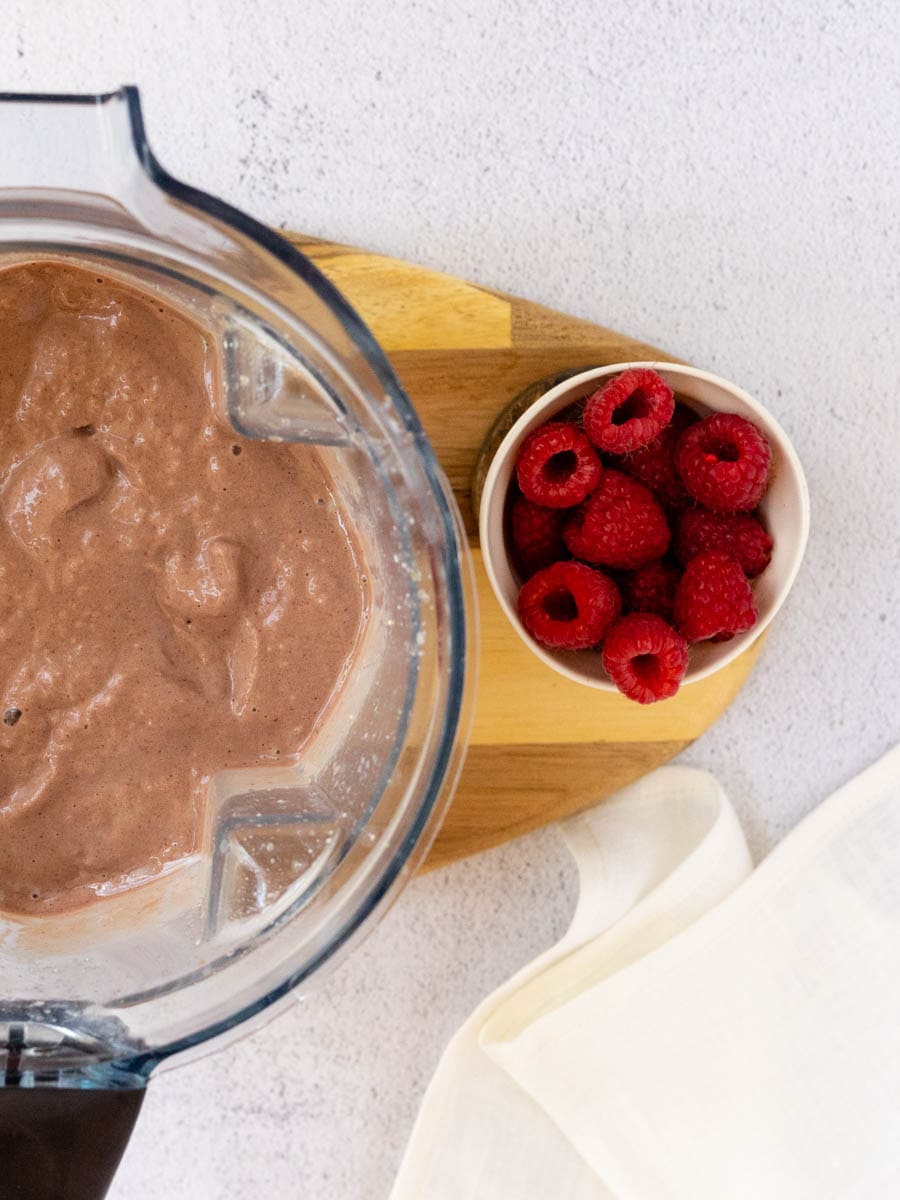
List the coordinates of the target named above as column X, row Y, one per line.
column 721, row 179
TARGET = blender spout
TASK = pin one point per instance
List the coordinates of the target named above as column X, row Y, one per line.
column 80, row 143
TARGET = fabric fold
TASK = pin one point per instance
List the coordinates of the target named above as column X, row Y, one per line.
column 701, row 1031
column 478, row 1135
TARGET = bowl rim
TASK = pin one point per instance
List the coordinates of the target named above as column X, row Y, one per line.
column 523, row 425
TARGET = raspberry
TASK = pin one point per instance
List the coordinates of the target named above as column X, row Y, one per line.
column 629, row 411
column 714, row 599
column 724, row 462
column 569, row 606
column 651, row 589
column 645, row 657
column 536, row 535
column 738, row 534
column 557, row 466
column 620, row 525
column 654, row 465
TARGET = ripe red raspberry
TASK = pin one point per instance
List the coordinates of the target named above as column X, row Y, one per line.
column 724, row 461
column 738, row 534
column 651, row 589
column 557, row 466
column 536, row 536
column 620, row 525
column 629, row 411
column 569, row 606
column 645, row 657
column 714, row 599
column 654, row 465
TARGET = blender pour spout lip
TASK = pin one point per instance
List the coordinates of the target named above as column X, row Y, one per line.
column 57, row 97
column 282, row 249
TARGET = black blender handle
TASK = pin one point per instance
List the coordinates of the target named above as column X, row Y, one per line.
column 59, row 1143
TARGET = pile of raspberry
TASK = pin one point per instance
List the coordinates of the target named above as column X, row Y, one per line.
column 634, row 530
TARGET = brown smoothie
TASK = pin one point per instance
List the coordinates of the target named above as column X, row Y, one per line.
column 174, row 599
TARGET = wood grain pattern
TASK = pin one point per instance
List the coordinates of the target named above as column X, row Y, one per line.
column 541, row 747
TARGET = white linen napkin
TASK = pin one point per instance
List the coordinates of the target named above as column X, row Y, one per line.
column 700, row 1031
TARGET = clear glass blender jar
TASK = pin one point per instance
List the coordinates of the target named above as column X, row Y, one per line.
column 295, row 861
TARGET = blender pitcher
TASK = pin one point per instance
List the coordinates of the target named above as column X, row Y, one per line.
column 295, row 860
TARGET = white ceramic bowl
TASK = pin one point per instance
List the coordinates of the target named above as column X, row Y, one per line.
column 785, row 510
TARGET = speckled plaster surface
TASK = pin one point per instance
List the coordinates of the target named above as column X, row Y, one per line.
column 721, row 179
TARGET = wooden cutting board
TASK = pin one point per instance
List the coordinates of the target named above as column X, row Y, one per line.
column 541, row 747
